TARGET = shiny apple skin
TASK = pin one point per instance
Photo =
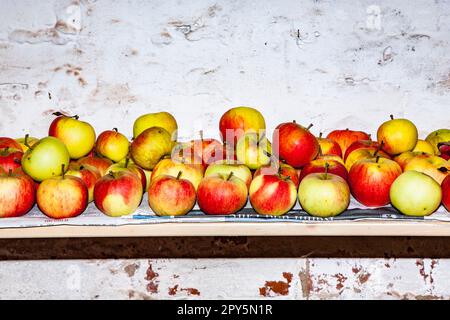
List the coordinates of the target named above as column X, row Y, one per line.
column 17, row 194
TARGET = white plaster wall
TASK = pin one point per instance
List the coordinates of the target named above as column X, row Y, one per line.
column 344, row 64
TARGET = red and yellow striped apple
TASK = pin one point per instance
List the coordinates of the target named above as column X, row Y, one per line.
column 237, row 121
column 192, row 172
column 364, row 153
column 370, row 180
column 321, row 166
column 328, row 146
column 131, row 167
column 295, row 144
column 89, row 175
column 346, row 137
column 100, row 164
column 8, row 143
column 10, row 159
column 272, row 194
column 113, row 145
column 222, row 194
column 78, row 136
column 282, row 169
column 171, row 196
column 62, row 197
column 118, row 193
column 17, row 194
column 361, row 144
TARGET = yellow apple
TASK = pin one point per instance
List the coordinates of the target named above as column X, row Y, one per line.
column 424, row 146
column 397, row 136
column 159, row 119
column 434, row 166
column 438, row 136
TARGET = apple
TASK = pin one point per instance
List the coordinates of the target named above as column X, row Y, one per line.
column 424, row 146
column 78, row 136
column 131, row 167
column 272, row 194
column 331, row 157
column 17, row 194
column 118, row 193
column 191, row 171
column 324, row 194
column 253, row 151
column 225, row 167
column 27, row 142
column 222, row 194
column 282, row 169
column 62, row 197
column 364, row 153
column 101, row 164
column 446, row 192
column 397, row 136
column 10, row 159
column 444, row 150
column 89, row 175
column 414, row 193
column 370, row 180
column 150, row 146
column 321, row 166
column 346, row 137
column 9, row 143
column 171, row 196
column 328, row 146
column 113, row 145
column 436, row 137
column 295, row 144
column 158, row 119
column 44, row 159
column 360, row 144
column 403, row 158
column 237, row 121
column 209, row 150
column 434, row 166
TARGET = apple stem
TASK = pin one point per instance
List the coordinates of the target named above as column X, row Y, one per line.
column 127, row 161
column 378, row 159
column 310, row 126
column 230, row 175
column 115, row 129
column 76, row 117
column 9, row 172
column 392, row 117
column 26, row 141
column 63, row 166
column 320, row 135
column 201, row 135
column 293, row 121
column 327, row 165
column 179, row 175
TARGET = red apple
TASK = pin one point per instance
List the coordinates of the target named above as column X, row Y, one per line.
column 320, row 166
column 364, row 153
column 101, row 164
column 237, row 121
column 346, row 137
column 328, row 146
column 10, row 159
column 272, row 194
column 9, row 143
column 361, row 144
column 222, row 195
column 17, row 194
column 295, row 144
column 89, row 175
column 113, row 145
column 171, row 196
column 131, row 167
column 370, row 180
column 282, row 169
column 62, row 197
column 446, row 192
column 118, row 193
column 209, row 150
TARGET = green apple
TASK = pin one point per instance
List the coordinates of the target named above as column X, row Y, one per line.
column 438, row 136
column 45, row 159
column 324, row 194
column 150, row 146
column 414, row 193
column 253, row 151
column 225, row 167
column 159, row 119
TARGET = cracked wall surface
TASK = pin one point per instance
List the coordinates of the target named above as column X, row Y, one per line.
column 341, row 65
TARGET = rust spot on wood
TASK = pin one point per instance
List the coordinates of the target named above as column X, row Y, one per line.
column 364, row 277
column 152, row 287
column 356, row 270
column 173, row 291
column 277, row 287
column 191, row 291
column 152, row 277
column 340, row 280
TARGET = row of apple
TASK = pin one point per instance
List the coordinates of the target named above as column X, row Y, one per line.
column 71, row 167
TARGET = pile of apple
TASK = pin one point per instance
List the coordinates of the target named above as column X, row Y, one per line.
column 71, row 167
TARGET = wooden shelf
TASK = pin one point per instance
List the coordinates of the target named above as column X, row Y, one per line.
column 334, row 228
